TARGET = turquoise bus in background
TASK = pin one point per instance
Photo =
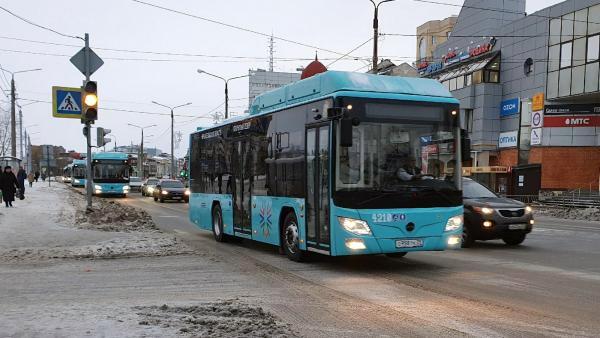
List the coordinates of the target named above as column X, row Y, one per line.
column 66, row 173
column 78, row 173
column 110, row 172
column 339, row 164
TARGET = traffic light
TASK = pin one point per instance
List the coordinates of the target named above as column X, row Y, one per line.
column 101, row 140
column 89, row 101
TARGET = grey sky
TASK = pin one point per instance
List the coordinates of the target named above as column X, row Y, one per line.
column 338, row 25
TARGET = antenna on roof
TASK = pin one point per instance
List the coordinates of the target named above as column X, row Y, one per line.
column 271, row 52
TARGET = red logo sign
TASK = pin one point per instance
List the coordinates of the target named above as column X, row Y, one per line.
column 481, row 49
column 572, row 121
column 422, row 65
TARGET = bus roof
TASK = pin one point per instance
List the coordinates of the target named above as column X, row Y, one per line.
column 110, row 156
column 346, row 84
column 79, row 162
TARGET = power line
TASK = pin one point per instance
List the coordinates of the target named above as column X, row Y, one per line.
column 354, row 49
column 234, row 26
column 38, row 25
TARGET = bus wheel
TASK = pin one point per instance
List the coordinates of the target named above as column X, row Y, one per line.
column 290, row 238
column 217, row 224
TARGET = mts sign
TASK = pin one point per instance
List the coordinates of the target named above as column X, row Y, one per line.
column 572, row 121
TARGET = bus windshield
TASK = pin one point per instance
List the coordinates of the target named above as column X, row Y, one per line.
column 111, row 171
column 78, row 172
column 396, row 165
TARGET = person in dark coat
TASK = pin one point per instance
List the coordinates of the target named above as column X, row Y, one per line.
column 9, row 185
column 37, row 175
column 21, row 177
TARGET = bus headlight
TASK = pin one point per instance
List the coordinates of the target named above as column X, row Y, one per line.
column 76, row 181
column 454, row 223
column 126, row 187
column 355, row 244
column 355, row 226
column 98, row 187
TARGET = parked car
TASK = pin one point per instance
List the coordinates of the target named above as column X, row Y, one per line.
column 135, row 183
column 148, row 186
column 173, row 190
column 489, row 216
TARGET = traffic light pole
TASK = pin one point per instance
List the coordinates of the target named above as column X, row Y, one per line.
column 88, row 126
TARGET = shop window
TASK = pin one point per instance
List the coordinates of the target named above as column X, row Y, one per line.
column 554, row 31
column 460, row 82
column 566, row 32
column 469, row 120
column 433, row 40
column 579, row 52
column 491, row 76
column 552, row 85
column 422, row 48
column 452, row 84
column 594, row 20
column 553, row 58
column 580, row 29
column 566, row 57
column 591, row 77
column 478, row 77
column 593, row 48
column 578, row 78
column 468, row 79
column 564, row 82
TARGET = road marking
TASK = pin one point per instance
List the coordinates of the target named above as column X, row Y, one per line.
column 168, row 216
column 181, row 232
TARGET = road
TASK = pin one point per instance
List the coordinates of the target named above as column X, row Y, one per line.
column 549, row 286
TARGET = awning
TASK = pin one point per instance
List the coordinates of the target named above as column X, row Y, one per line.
column 466, row 69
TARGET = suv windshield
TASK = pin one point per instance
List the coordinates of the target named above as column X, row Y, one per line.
column 134, row 179
column 472, row 189
column 171, row 184
column 151, row 182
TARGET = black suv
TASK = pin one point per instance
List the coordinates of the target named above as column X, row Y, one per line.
column 171, row 190
column 489, row 216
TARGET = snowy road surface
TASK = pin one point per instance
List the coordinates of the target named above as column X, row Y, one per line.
column 548, row 287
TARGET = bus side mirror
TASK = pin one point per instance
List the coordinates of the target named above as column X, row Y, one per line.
column 346, row 133
column 465, row 150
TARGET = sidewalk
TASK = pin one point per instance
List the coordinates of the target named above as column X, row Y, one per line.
column 43, row 227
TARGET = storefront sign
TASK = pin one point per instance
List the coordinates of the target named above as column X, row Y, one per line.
column 422, row 65
column 508, row 139
column 510, row 107
column 572, row 121
column 537, row 102
column 572, row 109
column 536, row 136
column 482, row 48
column 455, row 56
column 537, row 119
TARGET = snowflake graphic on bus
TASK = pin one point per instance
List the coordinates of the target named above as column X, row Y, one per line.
column 266, row 211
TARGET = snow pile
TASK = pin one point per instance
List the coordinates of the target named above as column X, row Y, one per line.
column 112, row 216
column 229, row 318
column 134, row 245
column 585, row 214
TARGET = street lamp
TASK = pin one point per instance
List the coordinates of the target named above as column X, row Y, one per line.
column 376, row 30
column 172, row 133
column 200, row 71
column 141, row 156
column 13, row 124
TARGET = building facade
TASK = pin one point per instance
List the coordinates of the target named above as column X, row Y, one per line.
column 261, row 81
column 528, row 86
column 430, row 35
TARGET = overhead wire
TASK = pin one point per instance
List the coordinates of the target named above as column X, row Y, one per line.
column 38, row 25
column 351, row 51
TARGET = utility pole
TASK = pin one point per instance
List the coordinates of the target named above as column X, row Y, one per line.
column 21, row 134
column 141, row 152
column 200, row 71
column 376, row 32
column 13, row 124
column 88, row 126
column 172, row 133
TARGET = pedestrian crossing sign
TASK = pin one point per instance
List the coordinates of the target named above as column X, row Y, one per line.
column 66, row 102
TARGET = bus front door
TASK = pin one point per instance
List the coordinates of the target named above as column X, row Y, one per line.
column 317, row 189
column 241, row 188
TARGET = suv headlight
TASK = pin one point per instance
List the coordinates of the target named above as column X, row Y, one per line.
column 98, row 187
column 187, row 192
column 355, row 226
column 484, row 210
column 528, row 210
column 164, row 192
column 454, row 223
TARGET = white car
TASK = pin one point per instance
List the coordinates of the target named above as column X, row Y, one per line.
column 135, row 183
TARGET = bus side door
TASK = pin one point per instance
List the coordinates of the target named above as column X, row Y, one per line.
column 317, row 189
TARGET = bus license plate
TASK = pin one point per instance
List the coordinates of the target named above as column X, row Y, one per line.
column 409, row 243
column 517, row 226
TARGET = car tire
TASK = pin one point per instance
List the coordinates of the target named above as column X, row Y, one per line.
column 217, row 224
column 155, row 199
column 514, row 239
column 290, row 238
column 467, row 238
column 396, row 254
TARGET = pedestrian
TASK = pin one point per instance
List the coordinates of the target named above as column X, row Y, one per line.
column 31, row 178
column 9, row 185
column 37, row 175
column 21, row 177
column 44, row 177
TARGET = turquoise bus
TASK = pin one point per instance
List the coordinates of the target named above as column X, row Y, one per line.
column 110, row 172
column 339, row 164
column 78, row 173
column 66, row 173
